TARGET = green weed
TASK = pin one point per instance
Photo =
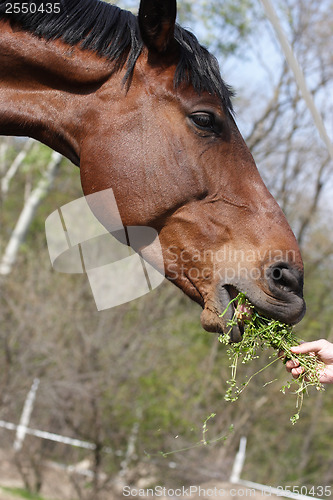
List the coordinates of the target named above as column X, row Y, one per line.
column 261, row 333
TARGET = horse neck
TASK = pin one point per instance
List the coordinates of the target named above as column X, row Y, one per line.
column 47, row 88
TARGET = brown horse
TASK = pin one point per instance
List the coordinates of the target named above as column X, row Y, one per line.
column 141, row 108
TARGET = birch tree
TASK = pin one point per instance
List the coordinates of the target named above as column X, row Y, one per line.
column 31, row 202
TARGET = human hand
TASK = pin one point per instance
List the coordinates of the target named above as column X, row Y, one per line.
column 324, row 352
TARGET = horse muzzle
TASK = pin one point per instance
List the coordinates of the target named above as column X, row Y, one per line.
column 278, row 295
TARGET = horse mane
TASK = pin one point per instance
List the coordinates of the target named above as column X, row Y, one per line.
column 114, row 33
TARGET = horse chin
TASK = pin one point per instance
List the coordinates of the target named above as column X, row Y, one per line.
column 216, row 316
column 211, row 322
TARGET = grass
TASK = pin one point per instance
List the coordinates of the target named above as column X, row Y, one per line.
column 261, row 333
column 22, row 493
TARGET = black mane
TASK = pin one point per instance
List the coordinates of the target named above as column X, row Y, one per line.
column 114, row 34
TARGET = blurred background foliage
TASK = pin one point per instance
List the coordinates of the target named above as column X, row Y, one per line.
column 142, row 378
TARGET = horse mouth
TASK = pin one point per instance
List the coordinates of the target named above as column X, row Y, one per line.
column 280, row 297
column 219, row 311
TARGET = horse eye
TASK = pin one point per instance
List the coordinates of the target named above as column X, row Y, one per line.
column 204, row 121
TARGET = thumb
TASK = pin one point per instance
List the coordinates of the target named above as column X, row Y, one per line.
column 306, row 347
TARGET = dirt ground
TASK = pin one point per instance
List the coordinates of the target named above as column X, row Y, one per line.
column 57, row 486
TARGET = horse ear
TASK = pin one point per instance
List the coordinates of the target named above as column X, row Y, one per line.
column 157, row 23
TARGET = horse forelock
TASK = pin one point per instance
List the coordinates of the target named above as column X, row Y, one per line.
column 198, row 67
column 114, row 33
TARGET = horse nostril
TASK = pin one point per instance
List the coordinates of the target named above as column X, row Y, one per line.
column 277, row 274
column 285, row 277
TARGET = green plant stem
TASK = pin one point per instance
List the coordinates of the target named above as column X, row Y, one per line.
column 261, row 333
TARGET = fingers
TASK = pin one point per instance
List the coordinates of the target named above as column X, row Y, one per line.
column 296, row 372
column 294, row 368
column 320, row 348
column 306, row 347
column 291, row 364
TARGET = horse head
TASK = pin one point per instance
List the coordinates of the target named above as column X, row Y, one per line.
column 178, row 163
column 141, row 107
